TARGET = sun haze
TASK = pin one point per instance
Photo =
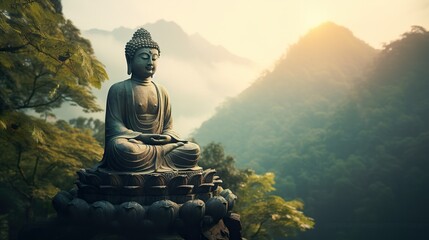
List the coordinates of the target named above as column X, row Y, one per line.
column 259, row 30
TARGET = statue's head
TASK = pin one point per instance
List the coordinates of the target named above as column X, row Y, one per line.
column 140, row 52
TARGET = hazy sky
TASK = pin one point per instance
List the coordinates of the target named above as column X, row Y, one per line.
column 260, row 30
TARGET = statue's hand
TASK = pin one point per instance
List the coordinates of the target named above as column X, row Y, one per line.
column 161, row 139
column 176, row 140
column 154, row 139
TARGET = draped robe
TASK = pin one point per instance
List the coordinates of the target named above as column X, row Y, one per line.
column 123, row 123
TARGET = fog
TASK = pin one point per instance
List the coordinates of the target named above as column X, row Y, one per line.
column 195, row 87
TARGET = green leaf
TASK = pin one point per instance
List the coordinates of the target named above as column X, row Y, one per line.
column 2, row 125
column 38, row 135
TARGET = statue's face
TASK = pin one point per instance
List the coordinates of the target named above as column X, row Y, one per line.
column 144, row 62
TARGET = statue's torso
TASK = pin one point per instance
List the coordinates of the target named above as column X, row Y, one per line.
column 146, row 101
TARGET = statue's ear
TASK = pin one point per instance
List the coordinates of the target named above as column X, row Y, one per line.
column 129, row 70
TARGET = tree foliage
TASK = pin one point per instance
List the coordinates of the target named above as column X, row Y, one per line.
column 267, row 216
column 264, row 215
column 39, row 158
column 95, row 127
column 44, row 61
column 213, row 156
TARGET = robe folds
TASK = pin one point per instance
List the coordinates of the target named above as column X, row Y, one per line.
column 123, row 124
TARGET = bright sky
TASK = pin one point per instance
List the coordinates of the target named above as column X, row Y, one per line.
column 260, row 30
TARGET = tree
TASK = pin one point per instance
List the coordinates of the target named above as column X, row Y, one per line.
column 267, row 216
column 44, row 62
column 95, row 126
column 264, row 216
column 39, row 158
column 213, row 156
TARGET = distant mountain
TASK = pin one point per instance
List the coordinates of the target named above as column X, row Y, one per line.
column 175, row 42
column 194, row 71
column 345, row 129
column 315, row 75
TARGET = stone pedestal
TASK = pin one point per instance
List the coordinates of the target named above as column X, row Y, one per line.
column 170, row 205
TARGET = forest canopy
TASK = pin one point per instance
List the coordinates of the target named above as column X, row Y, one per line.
column 355, row 152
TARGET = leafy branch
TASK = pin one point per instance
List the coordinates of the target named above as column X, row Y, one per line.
column 58, row 97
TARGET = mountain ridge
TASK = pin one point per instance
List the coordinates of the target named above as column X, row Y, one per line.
column 192, row 46
column 303, row 82
column 355, row 153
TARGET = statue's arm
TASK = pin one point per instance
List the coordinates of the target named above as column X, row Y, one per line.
column 115, row 112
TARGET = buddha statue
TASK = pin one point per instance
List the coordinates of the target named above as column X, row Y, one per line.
column 139, row 126
column 148, row 182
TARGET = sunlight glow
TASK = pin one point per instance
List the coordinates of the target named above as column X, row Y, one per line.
column 312, row 15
